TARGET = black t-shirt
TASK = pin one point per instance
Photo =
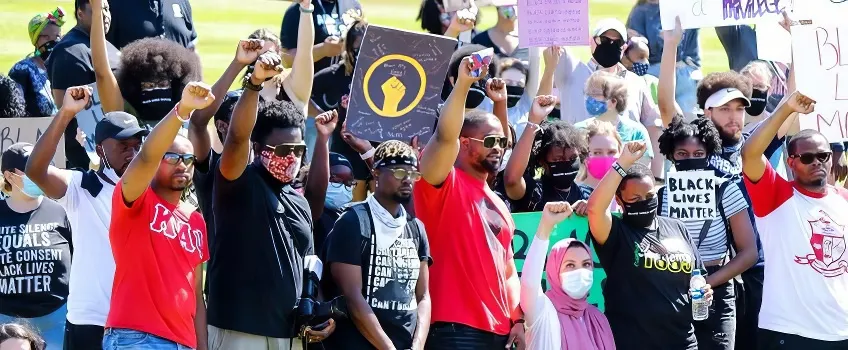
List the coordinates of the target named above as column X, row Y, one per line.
column 327, row 18
column 389, row 278
column 647, row 287
column 70, row 65
column 35, row 259
column 134, row 20
column 539, row 192
column 263, row 230
column 203, row 181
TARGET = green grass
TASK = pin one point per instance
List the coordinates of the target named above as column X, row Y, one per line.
column 221, row 23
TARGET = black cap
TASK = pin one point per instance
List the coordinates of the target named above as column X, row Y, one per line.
column 225, row 112
column 338, row 159
column 15, row 157
column 118, row 126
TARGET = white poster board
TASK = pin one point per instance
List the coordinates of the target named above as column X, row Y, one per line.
column 87, row 122
column 774, row 43
column 719, row 13
column 14, row 130
column 553, row 23
column 483, row 3
column 821, row 67
column 691, row 195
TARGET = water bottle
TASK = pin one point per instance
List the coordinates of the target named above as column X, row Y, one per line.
column 700, row 306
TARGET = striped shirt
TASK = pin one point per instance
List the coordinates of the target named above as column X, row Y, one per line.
column 714, row 246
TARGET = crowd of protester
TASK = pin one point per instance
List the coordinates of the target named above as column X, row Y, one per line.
column 250, row 219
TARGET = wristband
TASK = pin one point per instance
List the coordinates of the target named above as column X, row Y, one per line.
column 617, row 167
column 309, row 9
column 177, row 113
column 534, row 126
column 250, row 86
column 368, row 154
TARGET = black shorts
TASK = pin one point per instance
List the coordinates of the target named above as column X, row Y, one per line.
column 83, row 337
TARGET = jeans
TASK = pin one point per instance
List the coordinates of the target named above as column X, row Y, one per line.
column 718, row 332
column 50, row 326
column 119, row 338
column 749, row 303
column 455, row 336
column 685, row 93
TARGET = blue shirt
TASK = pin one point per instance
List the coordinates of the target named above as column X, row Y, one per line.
column 645, row 19
column 629, row 130
column 33, row 83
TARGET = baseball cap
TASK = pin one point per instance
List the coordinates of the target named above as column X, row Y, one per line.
column 723, row 96
column 225, row 112
column 610, row 24
column 338, row 159
column 15, row 157
column 118, row 126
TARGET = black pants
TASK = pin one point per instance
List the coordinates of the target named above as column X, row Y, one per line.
column 455, row 336
column 770, row 340
column 748, row 310
column 719, row 330
column 83, row 337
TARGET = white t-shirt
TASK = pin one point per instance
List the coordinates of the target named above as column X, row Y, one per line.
column 805, row 292
column 93, row 266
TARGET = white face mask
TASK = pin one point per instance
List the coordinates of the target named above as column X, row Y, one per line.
column 576, row 283
column 507, row 154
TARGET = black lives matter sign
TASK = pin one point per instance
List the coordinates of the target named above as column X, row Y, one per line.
column 692, row 195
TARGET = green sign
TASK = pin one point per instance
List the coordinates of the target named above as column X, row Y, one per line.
column 574, row 227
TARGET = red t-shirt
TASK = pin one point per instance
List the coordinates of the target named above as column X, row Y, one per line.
column 157, row 250
column 472, row 280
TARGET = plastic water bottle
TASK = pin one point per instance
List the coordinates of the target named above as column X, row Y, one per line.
column 700, row 306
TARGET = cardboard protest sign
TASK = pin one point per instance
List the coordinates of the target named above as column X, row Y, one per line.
column 87, row 121
column 397, row 84
column 14, row 130
column 691, row 195
column 719, row 13
column 574, row 227
column 555, row 22
column 821, row 66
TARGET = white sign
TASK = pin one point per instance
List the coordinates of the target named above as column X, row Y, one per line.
column 821, row 10
column 774, row 43
column 821, row 67
column 691, row 195
column 483, row 3
column 29, row 130
column 719, row 13
column 87, row 122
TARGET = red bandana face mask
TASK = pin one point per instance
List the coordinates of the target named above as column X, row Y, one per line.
column 284, row 169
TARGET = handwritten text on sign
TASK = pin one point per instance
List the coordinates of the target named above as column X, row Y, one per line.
column 14, row 130
column 718, row 13
column 691, row 195
column 821, row 66
column 543, row 23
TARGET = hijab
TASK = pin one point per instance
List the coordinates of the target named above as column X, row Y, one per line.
column 593, row 332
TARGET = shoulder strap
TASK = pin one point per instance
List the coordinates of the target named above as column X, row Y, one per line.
column 364, row 216
column 660, row 198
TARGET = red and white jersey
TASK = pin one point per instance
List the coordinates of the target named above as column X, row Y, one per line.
column 806, row 272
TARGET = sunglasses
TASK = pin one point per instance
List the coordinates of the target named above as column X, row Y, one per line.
column 401, row 174
column 605, row 40
column 285, row 149
column 808, row 158
column 492, row 141
column 174, row 158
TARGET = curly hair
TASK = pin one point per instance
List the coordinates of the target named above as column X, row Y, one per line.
column 678, row 131
column 12, row 104
column 558, row 134
column 636, row 171
column 23, row 332
column 393, row 148
column 717, row 81
column 611, row 86
column 276, row 115
column 156, row 60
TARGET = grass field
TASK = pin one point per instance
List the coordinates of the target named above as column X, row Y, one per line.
column 220, row 23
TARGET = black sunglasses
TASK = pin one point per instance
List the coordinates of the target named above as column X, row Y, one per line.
column 174, row 158
column 808, row 158
column 285, row 149
column 401, row 174
column 605, row 40
column 491, row 140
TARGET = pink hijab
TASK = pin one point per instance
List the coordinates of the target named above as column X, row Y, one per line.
column 597, row 334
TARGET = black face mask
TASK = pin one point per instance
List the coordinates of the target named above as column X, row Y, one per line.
column 475, row 98
column 562, row 174
column 759, row 100
column 513, row 95
column 691, row 164
column 607, row 54
column 640, row 214
column 155, row 104
column 48, row 49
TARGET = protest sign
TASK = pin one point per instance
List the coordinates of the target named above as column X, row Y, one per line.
column 691, row 195
column 774, row 43
column 14, row 130
column 553, row 22
column 576, row 227
column 821, row 66
column 719, row 13
column 397, row 84
column 482, row 3
column 821, row 10
column 87, row 121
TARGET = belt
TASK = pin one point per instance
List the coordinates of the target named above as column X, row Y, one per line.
column 714, row 263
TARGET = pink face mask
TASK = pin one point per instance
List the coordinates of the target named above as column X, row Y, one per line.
column 599, row 166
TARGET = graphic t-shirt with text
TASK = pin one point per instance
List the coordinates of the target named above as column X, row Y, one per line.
column 35, row 260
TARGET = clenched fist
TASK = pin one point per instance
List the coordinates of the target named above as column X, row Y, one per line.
column 267, row 66
column 77, row 99
column 196, row 95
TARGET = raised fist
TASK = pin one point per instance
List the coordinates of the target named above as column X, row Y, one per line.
column 77, row 99
column 196, row 95
column 267, row 66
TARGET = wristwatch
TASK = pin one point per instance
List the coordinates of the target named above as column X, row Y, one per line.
column 245, row 83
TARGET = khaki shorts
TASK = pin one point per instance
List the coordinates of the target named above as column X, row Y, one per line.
column 223, row 339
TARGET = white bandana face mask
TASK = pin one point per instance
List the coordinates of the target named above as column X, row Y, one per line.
column 577, row 283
